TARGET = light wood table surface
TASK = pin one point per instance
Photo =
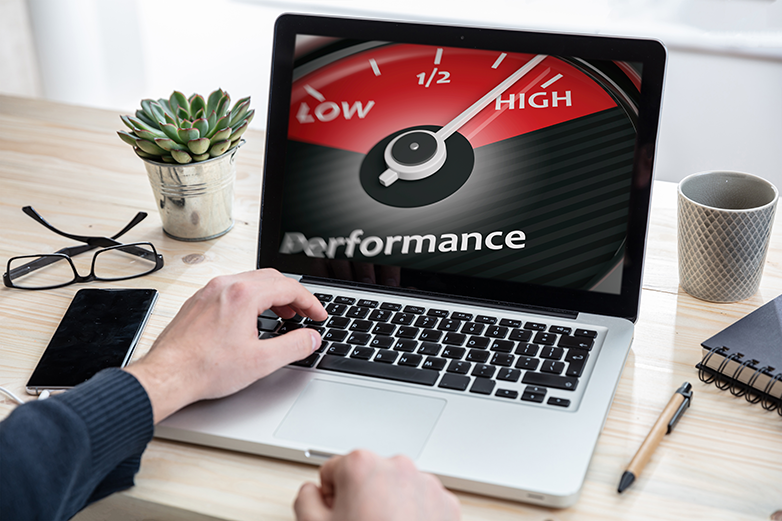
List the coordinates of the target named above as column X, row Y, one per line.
column 724, row 460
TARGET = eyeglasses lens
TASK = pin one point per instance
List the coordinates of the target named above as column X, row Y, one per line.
column 42, row 271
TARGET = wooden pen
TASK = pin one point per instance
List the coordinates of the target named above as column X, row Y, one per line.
column 679, row 403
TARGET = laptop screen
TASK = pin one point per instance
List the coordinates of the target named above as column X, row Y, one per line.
column 467, row 162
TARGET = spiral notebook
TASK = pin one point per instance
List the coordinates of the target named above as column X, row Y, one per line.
column 746, row 357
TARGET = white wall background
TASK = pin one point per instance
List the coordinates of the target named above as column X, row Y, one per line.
column 723, row 99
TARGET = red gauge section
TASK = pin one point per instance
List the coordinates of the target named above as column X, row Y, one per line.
column 354, row 102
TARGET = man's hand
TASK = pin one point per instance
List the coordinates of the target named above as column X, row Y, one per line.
column 363, row 486
column 211, row 348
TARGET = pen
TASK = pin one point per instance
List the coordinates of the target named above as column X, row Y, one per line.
column 679, row 403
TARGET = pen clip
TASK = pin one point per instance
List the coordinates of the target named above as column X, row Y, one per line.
column 686, row 391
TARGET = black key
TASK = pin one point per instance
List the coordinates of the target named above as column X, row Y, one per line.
column 359, row 338
column 546, row 339
column 482, row 386
column 387, row 371
column 577, row 361
column 503, row 346
column 502, row 359
column 457, row 353
column 344, row 300
column 473, row 328
column 416, row 310
column 553, row 367
column 319, row 329
column 448, row 324
column 425, row 321
column 509, row 322
column 265, row 334
column 550, row 380
column 434, row 363
column 386, row 356
column 485, row 319
column 364, row 303
column 336, row 309
column 437, row 313
column 323, row 346
column 507, row 393
column 430, row 348
column 527, row 350
column 535, row 326
column 382, row 341
column 528, row 363
column 338, row 322
column 380, row 315
column 497, row 332
column 509, row 375
column 361, row 326
column 309, row 321
column 534, row 394
column 478, row 342
column 357, row 312
column 575, row 342
column 431, row 335
column 383, row 329
column 364, row 353
column 390, row 306
column 335, row 335
column 404, row 319
column 267, row 324
column 483, row 370
column 457, row 315
column 520, row 335
column 323, row 297
column 410, row 359
column 407, row 332
column 459, row 367
column 585, row 332
column 406, row 345
column 477, row 355
column 288, row 326
column 295, row 318
column 559, row 402
column 456, row 339
column 560, row 330
column 339, row 349
column 551, row 353
column 454, row 381
column 310, row 361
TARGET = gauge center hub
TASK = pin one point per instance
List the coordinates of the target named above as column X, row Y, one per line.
column 414, row 148
column 412, row 156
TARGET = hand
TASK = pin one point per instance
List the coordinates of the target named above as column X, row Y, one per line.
column 363, row 486
column 211, row 348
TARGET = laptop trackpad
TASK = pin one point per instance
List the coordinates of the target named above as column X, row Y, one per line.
column 342, row 417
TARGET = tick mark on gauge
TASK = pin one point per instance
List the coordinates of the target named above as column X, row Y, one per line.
column 552, row 80
column 375, row 68
column 438, row 56
column 499, row 60
column 315, row 94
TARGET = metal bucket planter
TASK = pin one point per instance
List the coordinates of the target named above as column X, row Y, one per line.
column 195, row 200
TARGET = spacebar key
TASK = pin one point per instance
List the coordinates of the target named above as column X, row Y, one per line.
column 387, row 371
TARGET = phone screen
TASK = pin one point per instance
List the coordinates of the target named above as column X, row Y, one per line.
column 100, row 329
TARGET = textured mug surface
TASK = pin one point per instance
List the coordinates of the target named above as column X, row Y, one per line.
column 724, row 225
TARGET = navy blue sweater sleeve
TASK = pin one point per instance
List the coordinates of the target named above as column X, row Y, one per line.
column 60, row 454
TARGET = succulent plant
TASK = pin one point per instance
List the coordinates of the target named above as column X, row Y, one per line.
column 183, row 130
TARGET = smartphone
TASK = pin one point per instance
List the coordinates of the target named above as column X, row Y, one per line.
column 100, row 329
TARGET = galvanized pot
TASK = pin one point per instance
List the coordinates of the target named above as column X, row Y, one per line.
column 195, row 200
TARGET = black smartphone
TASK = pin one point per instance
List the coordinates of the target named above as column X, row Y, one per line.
column 100, row 329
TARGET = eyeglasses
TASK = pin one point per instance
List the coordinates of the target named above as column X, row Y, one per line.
column 114, row 261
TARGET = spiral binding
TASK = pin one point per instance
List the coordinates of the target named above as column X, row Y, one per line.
column 738, row 388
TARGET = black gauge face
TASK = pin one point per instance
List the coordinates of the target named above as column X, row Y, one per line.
column 440, row 160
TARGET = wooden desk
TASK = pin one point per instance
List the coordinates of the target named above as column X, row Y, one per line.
column 723, row 462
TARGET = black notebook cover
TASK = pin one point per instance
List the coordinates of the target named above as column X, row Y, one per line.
column 747, row 354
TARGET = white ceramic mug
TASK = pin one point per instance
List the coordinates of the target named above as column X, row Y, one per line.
column 725, row 221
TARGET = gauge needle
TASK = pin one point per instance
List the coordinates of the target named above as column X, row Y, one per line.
column 390, row 175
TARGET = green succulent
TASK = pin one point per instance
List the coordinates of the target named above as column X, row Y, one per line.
column 184, row 130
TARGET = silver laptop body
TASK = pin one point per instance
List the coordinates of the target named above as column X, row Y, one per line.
column 468, row 195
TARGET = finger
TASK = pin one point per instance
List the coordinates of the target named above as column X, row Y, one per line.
column 281, row 291
column 327, row 472
column 284, row 349
column 309, row 504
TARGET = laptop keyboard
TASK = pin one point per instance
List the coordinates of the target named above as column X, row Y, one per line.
column 506, row 358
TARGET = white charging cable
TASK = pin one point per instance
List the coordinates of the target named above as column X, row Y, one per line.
column 44, row 395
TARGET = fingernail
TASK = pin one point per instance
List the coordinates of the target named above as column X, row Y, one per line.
column 315, row 341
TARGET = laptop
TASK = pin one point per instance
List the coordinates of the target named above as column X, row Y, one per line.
column 471, row 207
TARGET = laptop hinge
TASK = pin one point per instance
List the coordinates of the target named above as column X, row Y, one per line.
column 387, row 290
